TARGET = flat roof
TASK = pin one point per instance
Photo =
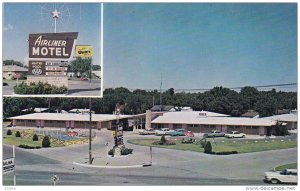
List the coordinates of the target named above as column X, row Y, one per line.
column 70, row 117
column 291, row 117
column 191, row 118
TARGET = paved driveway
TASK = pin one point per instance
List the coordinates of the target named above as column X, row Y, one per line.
column 170, row 167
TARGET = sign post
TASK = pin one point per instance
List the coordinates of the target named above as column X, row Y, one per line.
column 54, row 178
column 151, row 154
column 9, row 165
column 86, row 51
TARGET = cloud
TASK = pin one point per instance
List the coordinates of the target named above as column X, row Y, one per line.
column 8, row 27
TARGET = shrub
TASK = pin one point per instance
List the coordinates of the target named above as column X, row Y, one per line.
column 29, row 147
column 163, row 140
column 9, row 132
column 166, row 143
column 39, row 88
column 280, row 130
column 126, row 151
column 18, row 134
column 225, row 153
column 110, row 152
column 35, row 137
column 46, row 142
column 208, row 147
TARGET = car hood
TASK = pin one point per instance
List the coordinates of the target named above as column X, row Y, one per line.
column 276, row 173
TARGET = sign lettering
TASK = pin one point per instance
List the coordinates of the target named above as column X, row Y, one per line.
column 8, row 165
column 51, row 45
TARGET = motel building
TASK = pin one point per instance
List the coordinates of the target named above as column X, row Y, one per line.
column 195, row 121
column 67, row 120
column 204, row 122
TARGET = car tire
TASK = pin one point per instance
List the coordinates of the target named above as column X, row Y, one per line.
column 274, row 181
column 243, row 136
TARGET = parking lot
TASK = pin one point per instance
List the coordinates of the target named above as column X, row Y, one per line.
column 170, row 167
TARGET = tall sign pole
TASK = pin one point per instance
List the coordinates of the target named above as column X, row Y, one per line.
column 55, row 16
column 86, row 51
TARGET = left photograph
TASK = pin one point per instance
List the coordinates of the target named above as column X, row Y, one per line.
column 52, row 50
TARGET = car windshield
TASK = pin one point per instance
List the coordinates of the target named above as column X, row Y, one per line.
column 283, row 172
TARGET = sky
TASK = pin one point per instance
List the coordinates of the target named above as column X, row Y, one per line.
column 20, row 19
column 188, row 46
column 198, row 45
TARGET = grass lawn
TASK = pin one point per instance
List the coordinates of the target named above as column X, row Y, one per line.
column 240, row 147
column 282, row 167
column 13, row 140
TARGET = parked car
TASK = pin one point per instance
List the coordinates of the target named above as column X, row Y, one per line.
column 214, row 133
column 84, row 79
column 163, row 131
column 178, row 132
column 147, row 132
column 235, row 134
column 284, row 176
column 189, row 134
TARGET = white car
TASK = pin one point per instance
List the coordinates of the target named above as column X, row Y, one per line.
column 235, row 134
column 163, row 131
column 285, row 176
column 147, row 132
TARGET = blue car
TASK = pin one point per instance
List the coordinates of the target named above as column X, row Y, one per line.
column 178, row 132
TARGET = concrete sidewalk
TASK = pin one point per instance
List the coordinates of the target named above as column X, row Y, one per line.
column 134, row 160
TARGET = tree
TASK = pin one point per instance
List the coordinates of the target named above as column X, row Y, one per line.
column 8, row 132
column 280, row 130
column 18, row 134
column 208, row 147
column 12, row 62
column 96, row 67
column 81, row 66
column 46, row 142
column 35, row 138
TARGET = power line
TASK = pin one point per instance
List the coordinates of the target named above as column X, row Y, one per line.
column 232, row 88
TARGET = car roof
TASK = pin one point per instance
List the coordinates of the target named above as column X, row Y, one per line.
column 292, row 170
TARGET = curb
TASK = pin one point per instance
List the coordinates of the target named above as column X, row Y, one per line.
column 113, row 167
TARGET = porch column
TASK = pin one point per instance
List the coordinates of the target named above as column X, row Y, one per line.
column 14, row 122
column 262, row 130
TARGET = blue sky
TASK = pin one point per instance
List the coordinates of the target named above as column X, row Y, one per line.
column 20, row 19
column 192, row 45
column 199, row 45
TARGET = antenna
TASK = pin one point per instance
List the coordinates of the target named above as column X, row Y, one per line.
column 53, row 14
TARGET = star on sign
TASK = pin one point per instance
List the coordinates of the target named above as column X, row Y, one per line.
column 55, row 14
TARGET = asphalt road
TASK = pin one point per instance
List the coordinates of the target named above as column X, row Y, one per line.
column 76, row 88
column 170, row 167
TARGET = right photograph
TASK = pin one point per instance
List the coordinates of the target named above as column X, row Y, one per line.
column 200, row 94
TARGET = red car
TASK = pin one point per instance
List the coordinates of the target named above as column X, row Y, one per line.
column 84, row 78
column 189, row 134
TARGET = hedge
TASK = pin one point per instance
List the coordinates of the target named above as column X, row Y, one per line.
column 39, row 88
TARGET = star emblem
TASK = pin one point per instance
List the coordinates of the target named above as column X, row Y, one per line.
column 55, row 14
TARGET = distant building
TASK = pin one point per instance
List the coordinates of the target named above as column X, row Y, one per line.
column 205, row 121
column 290, row 119
column 163, row 108
column 10, row 71
column 66, row 120
column 37, row 110
column 251, row 114
column 82, row 111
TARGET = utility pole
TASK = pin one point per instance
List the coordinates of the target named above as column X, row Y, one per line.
column 160, row 102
